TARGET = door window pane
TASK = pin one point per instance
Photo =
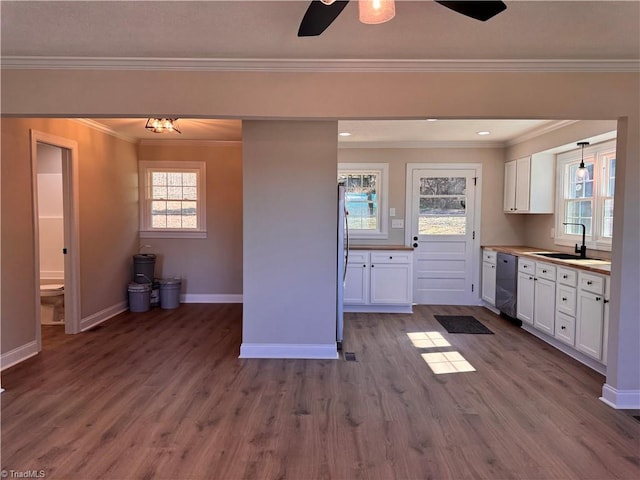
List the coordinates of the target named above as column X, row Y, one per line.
column 442, row 206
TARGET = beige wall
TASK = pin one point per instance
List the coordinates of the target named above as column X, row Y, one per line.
column 108, row 206
column 496, row 227
column 290, row 234
column 210, row 266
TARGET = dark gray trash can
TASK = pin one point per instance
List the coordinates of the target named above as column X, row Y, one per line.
column 139, row 297
column 170, row 292
column 144, row 265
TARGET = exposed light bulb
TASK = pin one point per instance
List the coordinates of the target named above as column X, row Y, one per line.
column 582, row 174
column 327, row 2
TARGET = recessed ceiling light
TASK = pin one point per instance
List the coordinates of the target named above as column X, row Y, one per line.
column 432, row 119
column 344, row 134
column 483, row 132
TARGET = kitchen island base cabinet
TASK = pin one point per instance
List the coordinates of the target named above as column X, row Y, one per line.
column 379, row 281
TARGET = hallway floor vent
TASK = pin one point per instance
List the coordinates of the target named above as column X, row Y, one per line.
column 350, row 357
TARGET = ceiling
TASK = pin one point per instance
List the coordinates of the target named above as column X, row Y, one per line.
column 363, row 132
column 266, row 31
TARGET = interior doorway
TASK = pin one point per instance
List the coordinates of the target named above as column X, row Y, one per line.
column 56, row 253
column 443, row 212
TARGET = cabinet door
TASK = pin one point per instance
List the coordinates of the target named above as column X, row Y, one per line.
column 510, row 186
column 356, row 284
column 391, row 283
column 525, row 294
column 489, row 283
column 566, row 300
column 590, row 323
column 544, row 306
column 523, row 184
column 605, row 326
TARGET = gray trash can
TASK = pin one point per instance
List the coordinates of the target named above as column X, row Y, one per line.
column 170, row 292
column 139, row 297
column 144, row 265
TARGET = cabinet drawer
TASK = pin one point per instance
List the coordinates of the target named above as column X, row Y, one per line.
column 567, row 276
column 390, row 257
column 358, row 257
column 546, row 271
column 489, row 256
column 526, row 266
column 565, row 328
column 591, row 283
column 566, row 300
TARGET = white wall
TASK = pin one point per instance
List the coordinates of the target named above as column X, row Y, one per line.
column 290, row 239
column 50, row 213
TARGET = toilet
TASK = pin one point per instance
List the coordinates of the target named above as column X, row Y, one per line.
column 52, row 304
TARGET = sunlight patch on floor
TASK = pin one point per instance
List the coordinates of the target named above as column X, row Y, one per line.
column 428, row 339
column 447, row 362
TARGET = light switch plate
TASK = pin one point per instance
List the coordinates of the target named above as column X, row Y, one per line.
column 397, row 223
column 392, row 212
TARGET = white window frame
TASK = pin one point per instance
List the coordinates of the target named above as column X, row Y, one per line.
column 595, row 241
column 381, row 169
column 145, row 167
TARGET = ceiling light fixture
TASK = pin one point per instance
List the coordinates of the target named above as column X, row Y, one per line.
column 582, row 174
column 373, row 12
column 344, row 134
column 484, row 132
column 162, row 125
column 327, row 2
column 432, row 119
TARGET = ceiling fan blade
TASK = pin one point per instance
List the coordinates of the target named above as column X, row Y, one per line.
column 480, row 10
column 319, row 16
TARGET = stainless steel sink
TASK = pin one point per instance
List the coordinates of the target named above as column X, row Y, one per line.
column 562, row 256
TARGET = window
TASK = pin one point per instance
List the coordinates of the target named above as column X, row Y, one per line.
column 172, row 199
column 366, row 198
column 589, row 201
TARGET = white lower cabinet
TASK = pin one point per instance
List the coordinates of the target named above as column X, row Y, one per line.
column 536, row 294
column 379, row 281
column 590, row 315
column 568, row 304
column 356, row 284
column 489, row 259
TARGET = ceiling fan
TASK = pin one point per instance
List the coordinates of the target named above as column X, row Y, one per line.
column 321, row 13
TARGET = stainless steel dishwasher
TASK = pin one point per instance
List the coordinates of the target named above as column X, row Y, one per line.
column 506, row 285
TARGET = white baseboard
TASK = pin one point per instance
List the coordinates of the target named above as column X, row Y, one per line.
column 210, row 298
column 620, row 399
column 18, row 355
column 378, row 308
column 287, row 350
column 102, row 316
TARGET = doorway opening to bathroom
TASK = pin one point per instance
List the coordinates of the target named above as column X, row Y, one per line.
column 56, row 254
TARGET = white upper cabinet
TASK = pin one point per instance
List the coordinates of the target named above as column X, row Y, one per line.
column 528, row 184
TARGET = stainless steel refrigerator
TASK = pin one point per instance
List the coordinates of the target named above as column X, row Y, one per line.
column 343, row 260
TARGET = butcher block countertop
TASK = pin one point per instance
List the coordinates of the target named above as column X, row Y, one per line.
column 380, row 247
column 591, row 265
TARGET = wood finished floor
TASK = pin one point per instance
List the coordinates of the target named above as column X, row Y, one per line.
column 163, row 395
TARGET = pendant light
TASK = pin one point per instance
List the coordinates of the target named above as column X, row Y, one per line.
column 376, row 11
column 327, row 2
column 582, row 174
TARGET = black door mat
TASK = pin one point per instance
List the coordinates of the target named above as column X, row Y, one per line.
column 462, row 324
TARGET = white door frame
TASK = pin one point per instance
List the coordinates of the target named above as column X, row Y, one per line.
column 411, row 167
column 71, row 229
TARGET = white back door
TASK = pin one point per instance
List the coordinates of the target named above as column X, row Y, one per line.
column 441, row 217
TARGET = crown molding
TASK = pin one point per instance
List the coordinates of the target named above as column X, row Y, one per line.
column 104, row 129
column 424, row 144
column 317, row 65
column 189, row 143
column 539, row 131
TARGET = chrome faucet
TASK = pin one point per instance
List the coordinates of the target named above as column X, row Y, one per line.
column 582, row 250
